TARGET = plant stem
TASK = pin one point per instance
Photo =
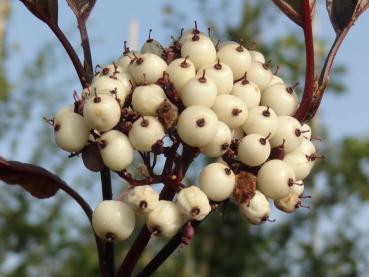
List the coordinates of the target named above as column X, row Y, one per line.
column 326, row 70
column 165, row 252
column 109, row 246
column 88, row 211
column 62, row 38
column 88, row 65
column 167, row 193
column 307, row 97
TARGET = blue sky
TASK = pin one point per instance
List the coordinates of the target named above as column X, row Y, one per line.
column 345, row 115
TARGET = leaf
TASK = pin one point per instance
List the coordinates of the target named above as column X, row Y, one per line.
column 341, row 13
column 81, row 8
column 46, row 10
column 34, row 179
column 294, row 9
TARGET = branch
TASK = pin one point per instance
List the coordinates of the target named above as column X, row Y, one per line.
column 307, row 97
column 88, row 65
column 165, row 252
column 108, row 262
column 325, row 73
column 83, row 77
column 167, row 193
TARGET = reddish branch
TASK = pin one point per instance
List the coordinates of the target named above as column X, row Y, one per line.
column 307, row 97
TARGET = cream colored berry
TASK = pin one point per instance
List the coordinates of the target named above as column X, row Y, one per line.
column 260, row 74
column 113, row 220
column 217, row 181
column 253, row 150
column 165, row 220
column 197, row 125
column 116, row 150
column 261, row 120
column 257, row 210
column 237, row 58
column 288, row 133
column 220, row 142
column 200, row 91
column 109, row 85
column 300, row 164
column 289, row 203
column 102, row 112
column 124, row 60
column 231, row 110
column 282, row 99
column 200, row 49
column 180, row 71
column 70, row 130
column 193, row 203
column 145, row 132
column 147, row 68
column 221, row 74
column 275, row 178
column 147, row 99
column 248, row 92
column 143, row 199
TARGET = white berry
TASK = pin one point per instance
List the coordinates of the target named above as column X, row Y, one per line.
column 219, row 143
column 200, row 91
column 253, row 150
column 113, row 220
column 221, row 74
column 282, row 99
column 165, row 220
column 147, row 99
column 231, row 110
column 112, row 145
column 193, row 203
column 260, row 74
column 217, row 181
column 145, row 132
column 197, row 125
column 300, row 164
column 143, row 199
column 200, row 49
column 70, row 130
column 101, row 112
column 275, row 178
column 288, row 133
column 248, row 92
column 237, row 58
column 180, row 71
column 147, row 68
column 261, row 120
column 257, row 210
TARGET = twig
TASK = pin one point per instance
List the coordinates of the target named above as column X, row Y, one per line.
column 307, row 97
column 107, row 193
column 165, row 252
column 62, row 38
column 88, row 65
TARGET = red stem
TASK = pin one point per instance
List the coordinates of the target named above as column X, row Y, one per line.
column 307, row 97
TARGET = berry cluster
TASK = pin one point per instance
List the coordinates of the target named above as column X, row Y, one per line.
column 221, row 99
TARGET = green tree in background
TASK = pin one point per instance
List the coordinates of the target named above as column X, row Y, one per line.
column 224, row 245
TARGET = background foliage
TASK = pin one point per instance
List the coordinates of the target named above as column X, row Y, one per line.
column 51, row 237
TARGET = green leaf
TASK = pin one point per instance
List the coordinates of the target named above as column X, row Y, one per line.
column 81, row 8
column 34, row 179
column 341, row 13
column 294, row 9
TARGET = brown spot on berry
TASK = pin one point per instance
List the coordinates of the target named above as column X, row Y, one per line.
column 245, row 187
column 200, row 122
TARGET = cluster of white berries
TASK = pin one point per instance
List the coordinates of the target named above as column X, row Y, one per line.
column 220, row 98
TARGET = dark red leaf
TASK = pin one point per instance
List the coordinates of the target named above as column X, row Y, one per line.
column 341, row 12
column 294, row 9
column 34, row 179
column 46, row 10
column 344, row 12
column 81, row 8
